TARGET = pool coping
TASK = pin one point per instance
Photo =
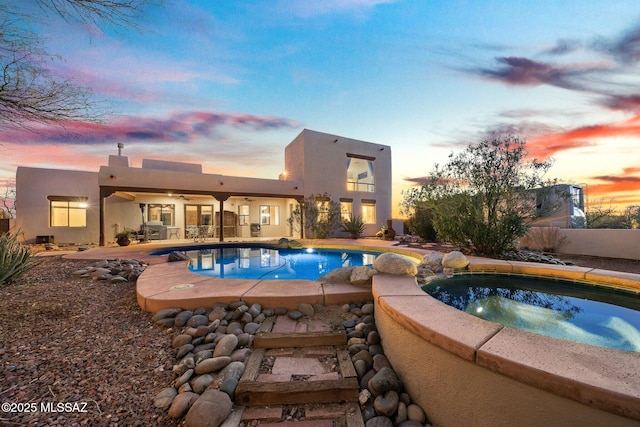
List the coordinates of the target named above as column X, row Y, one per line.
column 603, row 378
column 571, row 370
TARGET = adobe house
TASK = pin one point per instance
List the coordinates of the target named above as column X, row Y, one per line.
column 178, row 200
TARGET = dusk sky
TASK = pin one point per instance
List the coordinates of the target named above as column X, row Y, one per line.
column 228, row 84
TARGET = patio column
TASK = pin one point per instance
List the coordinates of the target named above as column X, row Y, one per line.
column 221, row 198
column 104, row 193
column 300, row 200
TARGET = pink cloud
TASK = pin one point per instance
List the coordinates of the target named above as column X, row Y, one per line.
column 181, row 127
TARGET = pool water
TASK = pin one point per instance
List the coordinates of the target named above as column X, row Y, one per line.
column 264, row 263
column 578, row 312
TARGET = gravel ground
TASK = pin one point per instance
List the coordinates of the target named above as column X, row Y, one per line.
column 71, row 340
column 87, row 344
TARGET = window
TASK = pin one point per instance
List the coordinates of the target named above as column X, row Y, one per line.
column 369, row 211
column 68, row 211
column 360, row 173
column 346, row 209
column 243, row 215
column 323, row 209
column 196, row 215
column 269, row 215
column 163, row 213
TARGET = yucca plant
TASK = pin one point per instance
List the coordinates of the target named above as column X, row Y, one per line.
column 354, row 226
column 15, row 258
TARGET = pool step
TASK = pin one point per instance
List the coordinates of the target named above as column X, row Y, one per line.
column 298, row 339
column 315, row 415
column 299, row 370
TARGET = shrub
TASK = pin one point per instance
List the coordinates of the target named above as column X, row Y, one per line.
column 15, row 259
column 354, row 226
column 546, row 239
column 420, row 223
column 317, row 215
column 481, row 199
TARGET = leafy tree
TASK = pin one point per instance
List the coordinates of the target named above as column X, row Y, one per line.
column 482, row 198
column 317, row 215
column 29, row 92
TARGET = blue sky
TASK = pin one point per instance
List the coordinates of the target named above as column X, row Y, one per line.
column 230, row 84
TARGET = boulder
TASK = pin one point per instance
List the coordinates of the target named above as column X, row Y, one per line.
column 455, row 260
column 392, row 263
column 339, row 275
column 177, row 256
column 433, row 259
column 361, row 276
column 210, row 410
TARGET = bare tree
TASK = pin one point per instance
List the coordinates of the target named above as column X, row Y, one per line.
column 7, row 201
column 632, row 216
column 120, row 13
column 29, row 92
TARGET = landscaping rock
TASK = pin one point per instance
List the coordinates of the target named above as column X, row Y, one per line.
column 392, row 263
column 181, row 404
column 361, row 276
column 165, row 397
column 226, row 345
column 210, row 410
column 455, row 260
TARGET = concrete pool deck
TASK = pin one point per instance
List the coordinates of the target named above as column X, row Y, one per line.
column 165, row 284
column 459, row 368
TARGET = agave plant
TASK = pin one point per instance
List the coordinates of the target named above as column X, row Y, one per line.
column 354, row 226
column 15, row 259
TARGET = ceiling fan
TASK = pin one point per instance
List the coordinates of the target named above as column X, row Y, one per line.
column 182, row 197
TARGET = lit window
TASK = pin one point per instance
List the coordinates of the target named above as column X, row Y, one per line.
column 163, row 213
column 243, row 215
column 360, row 173
column 369, row 212
column 68, row 211
column 269, row 215
column 346, row 209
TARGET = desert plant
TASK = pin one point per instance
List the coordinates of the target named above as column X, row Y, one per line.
column 15, row 258
column 317, row 216
column 420, row 223
column 546, row 239
column 354, row 226
column 482, row 198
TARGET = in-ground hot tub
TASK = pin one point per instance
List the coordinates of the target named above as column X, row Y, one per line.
column 468, row 371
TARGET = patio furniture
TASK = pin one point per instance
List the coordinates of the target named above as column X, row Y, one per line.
column 173, row 232
column 152, row 230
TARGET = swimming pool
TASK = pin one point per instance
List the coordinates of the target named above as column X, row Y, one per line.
column 273, row 263
column 557, row 308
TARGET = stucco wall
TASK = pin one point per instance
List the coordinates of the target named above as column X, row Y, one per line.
column 455, row 392
column 602, row 243
column 321, row 164
column 33, row 185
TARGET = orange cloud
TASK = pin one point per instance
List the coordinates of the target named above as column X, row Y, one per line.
column 546, row 145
